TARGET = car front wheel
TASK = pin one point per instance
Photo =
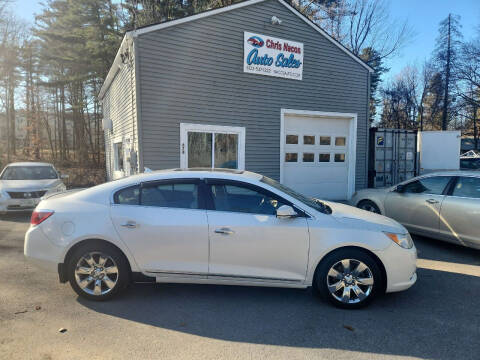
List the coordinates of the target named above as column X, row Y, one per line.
column 369, row 206
column 98, row 271
column 348, row 278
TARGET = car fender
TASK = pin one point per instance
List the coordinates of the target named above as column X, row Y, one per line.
column 66, row 229
column 325, row 240
column 377, row 197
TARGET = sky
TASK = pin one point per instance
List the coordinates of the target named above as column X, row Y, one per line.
column 422, row 15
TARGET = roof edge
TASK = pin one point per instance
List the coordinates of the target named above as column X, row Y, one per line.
column 154, row 27
column 113, row 69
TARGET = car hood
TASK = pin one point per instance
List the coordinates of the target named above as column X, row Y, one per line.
column 28, row 185
column 361, row 219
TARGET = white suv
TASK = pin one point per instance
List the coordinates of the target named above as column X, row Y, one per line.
column 217, row 227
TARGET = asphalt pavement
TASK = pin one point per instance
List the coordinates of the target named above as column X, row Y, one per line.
column 438, row 318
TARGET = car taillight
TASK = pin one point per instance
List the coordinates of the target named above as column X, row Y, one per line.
column 40, row 216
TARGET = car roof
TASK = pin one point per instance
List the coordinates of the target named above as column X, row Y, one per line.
column 195, row 173
column 29, row 163
column 452, row 173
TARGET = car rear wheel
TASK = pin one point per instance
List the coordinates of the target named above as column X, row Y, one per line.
column 369, row 206
column 98, row 271
column 348, row 278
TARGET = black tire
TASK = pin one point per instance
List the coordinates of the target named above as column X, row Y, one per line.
column 116, row 258
column 322, row 278
column 369, row 205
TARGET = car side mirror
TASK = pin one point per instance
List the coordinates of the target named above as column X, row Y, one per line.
column 286, row 211
column 400, row 189
column 64, row 176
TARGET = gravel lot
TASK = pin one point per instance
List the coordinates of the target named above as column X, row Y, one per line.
column 439, row 318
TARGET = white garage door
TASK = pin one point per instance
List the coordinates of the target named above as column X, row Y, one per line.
column 315, row 157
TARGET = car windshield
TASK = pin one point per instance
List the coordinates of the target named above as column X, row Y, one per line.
column 311, row 202
column 29, row 173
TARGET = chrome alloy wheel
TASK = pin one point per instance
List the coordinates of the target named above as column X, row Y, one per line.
column 350, row 281
column 96, row 273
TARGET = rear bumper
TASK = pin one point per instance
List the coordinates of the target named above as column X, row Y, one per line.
column 40, row 251
column 400, row 265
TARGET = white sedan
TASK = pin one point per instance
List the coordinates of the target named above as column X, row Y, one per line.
column 22, row 184
column 217, row 227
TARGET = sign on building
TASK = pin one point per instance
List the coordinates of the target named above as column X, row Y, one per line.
column 266, row 55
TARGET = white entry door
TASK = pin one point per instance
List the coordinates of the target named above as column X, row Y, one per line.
column 211, row 146
column 318, row 155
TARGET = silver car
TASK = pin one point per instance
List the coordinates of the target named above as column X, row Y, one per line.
column 22, row 184
column 444, row 205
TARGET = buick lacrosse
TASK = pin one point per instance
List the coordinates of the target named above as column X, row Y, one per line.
column 224, row 227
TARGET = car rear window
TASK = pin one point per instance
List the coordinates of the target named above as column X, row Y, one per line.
column 127, row 196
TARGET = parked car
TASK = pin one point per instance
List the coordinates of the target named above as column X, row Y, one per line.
column 22, row 184
column 470, row 163
column 444, row 205
column 224, row 227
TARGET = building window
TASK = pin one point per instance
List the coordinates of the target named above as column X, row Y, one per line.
column 324, row 158
column 212, row 146
column 309, row 140
column 339, row 157
column 308, row 157
column 340, row 141
column 118, row 156
column 292, row 139
column 291, row 157
column 324, row 140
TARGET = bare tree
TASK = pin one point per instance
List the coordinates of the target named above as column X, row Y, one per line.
column 427, row 74
column 446, row 55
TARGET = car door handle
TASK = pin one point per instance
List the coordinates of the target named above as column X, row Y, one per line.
column 224, row 231
column 431, row 201
column 130, row 224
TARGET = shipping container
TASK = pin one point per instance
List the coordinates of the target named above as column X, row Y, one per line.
column 392, row 156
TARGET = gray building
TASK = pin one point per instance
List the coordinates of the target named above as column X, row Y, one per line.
column 253, row 86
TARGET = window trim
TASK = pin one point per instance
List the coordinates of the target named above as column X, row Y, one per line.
column 185, row 128
column 214, row 181
column 116, row 171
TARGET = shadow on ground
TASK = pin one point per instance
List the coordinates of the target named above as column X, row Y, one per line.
column 19, row 217
column 418, row 322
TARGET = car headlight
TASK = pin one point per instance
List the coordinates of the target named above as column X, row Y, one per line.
column 403, row 240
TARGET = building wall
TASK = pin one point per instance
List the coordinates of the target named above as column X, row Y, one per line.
column 119, row 105
column 193, row 73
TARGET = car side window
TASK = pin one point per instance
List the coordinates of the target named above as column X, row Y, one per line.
column 431, row 185
column 173, row 195
column 127, row 196
column 467, row 187
column 244, row 199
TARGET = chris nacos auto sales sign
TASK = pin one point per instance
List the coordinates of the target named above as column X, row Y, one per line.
column 266, row 55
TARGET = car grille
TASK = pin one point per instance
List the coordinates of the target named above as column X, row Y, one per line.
column 26, row 194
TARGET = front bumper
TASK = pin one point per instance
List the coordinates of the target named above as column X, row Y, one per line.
column 400, row 265
column 13, row 205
